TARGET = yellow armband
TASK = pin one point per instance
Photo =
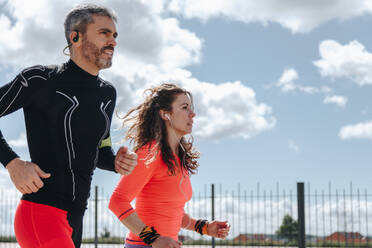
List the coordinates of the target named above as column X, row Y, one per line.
column 106, row 142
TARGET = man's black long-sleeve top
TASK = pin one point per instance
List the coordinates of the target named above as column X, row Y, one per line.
column 68, row 115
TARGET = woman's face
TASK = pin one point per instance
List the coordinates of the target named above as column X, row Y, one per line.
column 182, row 114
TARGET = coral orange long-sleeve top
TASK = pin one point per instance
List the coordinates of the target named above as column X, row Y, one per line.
column 160, row 197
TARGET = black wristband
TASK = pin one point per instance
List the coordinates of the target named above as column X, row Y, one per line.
column 199, row 226
column 149, row 235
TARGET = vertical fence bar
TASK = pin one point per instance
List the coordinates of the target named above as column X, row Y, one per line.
column 271, row 219
column 277, row 208
column 252, row 209
column 233, row 213
column 227, row 209
column 293, row 235
column 264, row 209
column 220, row 205
column 220, row 202
column 309, row 207
column 316, row 217
column 283, row 215
column 245, row 217
column 239, row 230
column 345, row 222
column 258, row 209
column 287, row 243
column 206, row 204
column 323, row 215
column 366, row 206
column 330, row 207
column 338, row 222
column 301, row 214
column 103, row 226
column 359, row 218
column 96, row 218
column 352, row 214
column 212, row 196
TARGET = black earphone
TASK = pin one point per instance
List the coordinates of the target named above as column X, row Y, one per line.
column 76, row 38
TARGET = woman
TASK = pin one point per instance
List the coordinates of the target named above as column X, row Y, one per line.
column 160, row 182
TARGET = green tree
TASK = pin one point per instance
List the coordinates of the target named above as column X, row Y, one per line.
column 288, row 229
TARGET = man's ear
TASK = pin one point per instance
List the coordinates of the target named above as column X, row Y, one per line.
column 75, row 38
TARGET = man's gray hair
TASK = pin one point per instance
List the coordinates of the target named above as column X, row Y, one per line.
column 82, row 15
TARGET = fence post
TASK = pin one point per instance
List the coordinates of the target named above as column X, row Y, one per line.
column 301, row 215
column 212, row 196
column 96, row 218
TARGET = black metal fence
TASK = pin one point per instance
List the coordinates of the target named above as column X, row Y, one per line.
column 258, row 217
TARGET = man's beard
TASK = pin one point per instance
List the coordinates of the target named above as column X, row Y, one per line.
column 93, row 54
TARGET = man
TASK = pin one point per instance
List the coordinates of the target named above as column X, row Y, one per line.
column 68, row 111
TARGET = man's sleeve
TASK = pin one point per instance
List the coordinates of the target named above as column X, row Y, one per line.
column 106, row 156
column 16, row 95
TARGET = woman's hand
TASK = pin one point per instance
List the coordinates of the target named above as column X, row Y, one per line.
column 218, row 229
column 166, row 242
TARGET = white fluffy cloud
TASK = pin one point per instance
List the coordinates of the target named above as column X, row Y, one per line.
column 296, row 15
column 31, row 31
column 287, row 83
column 351, row 61
column 227, row 109
column 361, row 130
column 152, row 48
column 20, row 142
column 338, row 100
column 293, row 146
column 287, row 80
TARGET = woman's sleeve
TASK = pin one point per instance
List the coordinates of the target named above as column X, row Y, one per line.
column 130, row 186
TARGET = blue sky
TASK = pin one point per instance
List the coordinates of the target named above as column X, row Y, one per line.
column 280, row 91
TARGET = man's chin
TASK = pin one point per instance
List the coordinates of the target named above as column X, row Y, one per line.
column 104, row 65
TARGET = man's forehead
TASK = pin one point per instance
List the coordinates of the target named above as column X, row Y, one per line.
column 100, row 21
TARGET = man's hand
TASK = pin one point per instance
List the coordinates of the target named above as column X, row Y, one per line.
column 218, row 229
column 166, row 242
column 26, row 176
column 125, row 161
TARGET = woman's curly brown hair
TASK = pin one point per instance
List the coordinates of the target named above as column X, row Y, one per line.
column 146, row 126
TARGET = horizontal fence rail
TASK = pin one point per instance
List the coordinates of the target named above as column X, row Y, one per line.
column 258, row 217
